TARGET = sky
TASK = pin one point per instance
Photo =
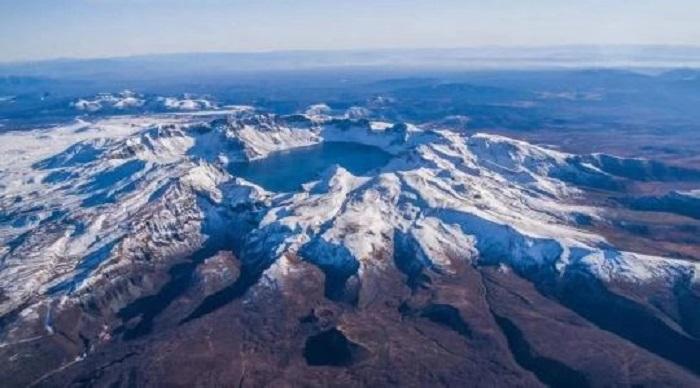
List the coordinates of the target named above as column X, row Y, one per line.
column 46, row 29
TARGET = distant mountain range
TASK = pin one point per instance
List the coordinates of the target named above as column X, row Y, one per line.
column 504, row 58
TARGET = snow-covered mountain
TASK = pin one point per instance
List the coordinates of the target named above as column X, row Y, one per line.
column 129, row 101
column 114, row 217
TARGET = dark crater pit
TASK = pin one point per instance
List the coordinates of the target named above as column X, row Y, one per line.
column 331, row 348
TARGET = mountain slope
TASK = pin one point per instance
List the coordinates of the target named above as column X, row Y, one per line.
column 114, row 232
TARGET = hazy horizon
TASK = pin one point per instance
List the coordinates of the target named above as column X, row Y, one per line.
column 44, row 30
column 484, row 50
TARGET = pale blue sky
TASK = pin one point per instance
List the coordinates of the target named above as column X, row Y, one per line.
column 37, row 29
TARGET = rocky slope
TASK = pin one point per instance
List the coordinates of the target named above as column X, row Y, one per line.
column 132, row 253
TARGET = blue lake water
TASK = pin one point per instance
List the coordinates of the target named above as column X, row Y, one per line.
column 285, row 171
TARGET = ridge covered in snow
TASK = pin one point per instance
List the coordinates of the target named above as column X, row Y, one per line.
column 129, row 101
column 84, row 202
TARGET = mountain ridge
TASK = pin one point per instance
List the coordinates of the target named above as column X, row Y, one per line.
column 148, row 200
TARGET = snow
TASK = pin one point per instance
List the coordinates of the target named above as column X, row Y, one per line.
column 259, row 144
column 691, row 193
column 121, row 101
column 186, row 103
column 318, row 112
column 357, row 112
column 479, row 198
column 206, row 180
column 380, row 125
column 128, row 100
